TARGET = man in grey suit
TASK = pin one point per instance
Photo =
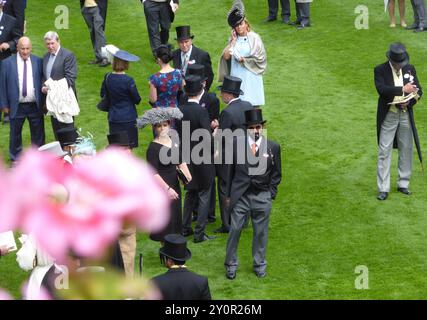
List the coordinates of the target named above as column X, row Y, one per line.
column 58, row 63
column 273, row 9
column 252, row 184
column 233, row 118
column 420, row 16
column 395, row 79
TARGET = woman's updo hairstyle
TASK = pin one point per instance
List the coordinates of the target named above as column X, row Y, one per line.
column 164, row 53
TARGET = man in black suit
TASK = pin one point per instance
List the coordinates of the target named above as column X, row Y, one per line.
column 58, row 63
column 9, row 35
column 16, row 9
column 394, row 80
column 195, row 123
column 159, row 15
column 251, row 186
column 20, row 94
column 273, row 9
column 178, row 283
column 189, row 54
column 210, row 102
column 231, row 118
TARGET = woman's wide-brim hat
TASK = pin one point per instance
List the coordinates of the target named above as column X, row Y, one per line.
column 397, row 54
column 121, row 54
column 158, row 115
column 236, row 14
column 175, row 247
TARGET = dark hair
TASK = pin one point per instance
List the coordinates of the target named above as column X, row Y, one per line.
column 163, row 260
column 164, row 53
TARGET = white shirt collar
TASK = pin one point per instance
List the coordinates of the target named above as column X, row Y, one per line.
column 394, row 70
column 252, row 141
column 56, row 53
column 194, row 100
column 232, row 100
column 188, row 53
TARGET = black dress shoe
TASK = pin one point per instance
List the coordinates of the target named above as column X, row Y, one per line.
column 222, row 230
column 270, row 19
column 104, row 63
column 205, row 237
column 187, row 233
column 231, row 275
column 419, row 30
column 261, row 274
column 382, row 196
column 412, row 27
column 404, row 191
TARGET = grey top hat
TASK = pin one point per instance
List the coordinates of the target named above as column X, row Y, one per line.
column 397, row 54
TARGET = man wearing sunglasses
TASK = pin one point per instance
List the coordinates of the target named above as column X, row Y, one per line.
column 252, row 184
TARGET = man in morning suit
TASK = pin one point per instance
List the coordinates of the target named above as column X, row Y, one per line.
column 232, row 117
column 21, row 96
column 103, row 7
column 58, row 63
column 210, row 102
column 159, row 16
column 189, row 54
column 251, row 186
column 9, row 35
column 394, row 80
column 178, row 283
column 200, row 164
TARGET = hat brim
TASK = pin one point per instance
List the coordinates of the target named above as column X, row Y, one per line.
column 187, row 255
column 125, row 56
column 230, row 91
column 247, row 124
column 401, row 63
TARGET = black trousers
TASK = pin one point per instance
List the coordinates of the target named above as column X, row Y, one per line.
column 56, row 125
column 35, row 118
column 273, row 8
column 158, row 18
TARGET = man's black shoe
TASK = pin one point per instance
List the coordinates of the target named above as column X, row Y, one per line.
column 187, row 233
column 270, row 19
column 382, row 196
column 205, row 237
column 231, row 275
column 261, row 274
column 103, row 63
column 404, row 191
column 222, row 230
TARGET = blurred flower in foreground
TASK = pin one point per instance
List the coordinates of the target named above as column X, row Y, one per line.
column 82, row 208
column 4, row 295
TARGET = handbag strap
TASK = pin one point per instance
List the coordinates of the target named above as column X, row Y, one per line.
column 106, row 83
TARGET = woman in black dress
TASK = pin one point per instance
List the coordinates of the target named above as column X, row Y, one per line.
column 163, row 155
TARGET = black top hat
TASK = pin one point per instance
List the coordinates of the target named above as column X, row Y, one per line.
column 235, row 17
column 175, row 247
column 397, row 54
column 197, row 70
column 254, row 116
column 193, row 85
column 183, row 33
column 67, row 136
column 231, row 85
column 120, row 138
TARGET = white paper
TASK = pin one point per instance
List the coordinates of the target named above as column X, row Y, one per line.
column 8, row 240
column 174, row 6
column 413, row 95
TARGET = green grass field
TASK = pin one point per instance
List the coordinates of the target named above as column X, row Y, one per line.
column 321, row 107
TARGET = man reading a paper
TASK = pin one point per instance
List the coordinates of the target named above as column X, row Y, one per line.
column 399, row 90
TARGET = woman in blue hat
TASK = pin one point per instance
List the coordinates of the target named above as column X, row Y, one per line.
column 122, row 94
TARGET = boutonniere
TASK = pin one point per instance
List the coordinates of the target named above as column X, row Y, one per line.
column 192, row 62
column 1, row 27
column 409, row 76
column 204, row 105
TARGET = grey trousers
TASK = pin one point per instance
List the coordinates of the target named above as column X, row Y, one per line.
column 225, row 213
column 303, row 13
column 273, row 8
column 420, row 14
column 258, row 207
column 395, row 124
column 157, row 14
column 95, row 24
column 199, row 200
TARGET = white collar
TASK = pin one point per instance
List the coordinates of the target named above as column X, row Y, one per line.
column 188, row 52
column 232, row 100
column 194, row 100
column 252, row 141
column 394, row 70
column 56, row 53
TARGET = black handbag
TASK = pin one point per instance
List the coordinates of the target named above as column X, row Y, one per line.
column 104, row 104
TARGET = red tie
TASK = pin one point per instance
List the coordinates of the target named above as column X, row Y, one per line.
column 253, row 148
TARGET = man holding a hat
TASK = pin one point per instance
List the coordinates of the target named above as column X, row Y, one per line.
column 197, row 197
column 178, row 283
column 232, row 118
column 188, row 54
column 398, row 88
column 251, row 186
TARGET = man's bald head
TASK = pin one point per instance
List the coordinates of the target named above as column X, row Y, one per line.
column 24, row 47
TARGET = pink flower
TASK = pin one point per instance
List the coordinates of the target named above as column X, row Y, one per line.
column 83, row 207
column 4, row 295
